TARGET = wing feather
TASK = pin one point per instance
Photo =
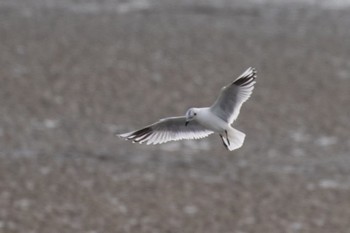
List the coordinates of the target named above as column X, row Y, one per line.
column 167, row 129
column 228, row 104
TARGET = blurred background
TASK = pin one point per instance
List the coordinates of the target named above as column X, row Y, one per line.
column 74, row 72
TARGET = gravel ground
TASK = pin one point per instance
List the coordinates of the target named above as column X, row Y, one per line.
column 74, row 72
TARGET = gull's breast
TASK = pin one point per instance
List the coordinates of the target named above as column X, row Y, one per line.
column 209, row 120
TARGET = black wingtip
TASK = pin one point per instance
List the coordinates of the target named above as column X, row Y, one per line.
column 138, row 135
column 247, row 77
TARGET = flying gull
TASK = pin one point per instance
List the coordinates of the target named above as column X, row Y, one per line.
column 201, row 122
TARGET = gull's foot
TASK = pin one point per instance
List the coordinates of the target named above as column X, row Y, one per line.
column 228, row 141
column 222, row 138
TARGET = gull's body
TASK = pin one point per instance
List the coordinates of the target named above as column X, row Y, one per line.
column 210, row 121
column 201, row 122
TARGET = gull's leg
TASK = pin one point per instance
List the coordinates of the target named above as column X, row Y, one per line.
column 222, row 138
column 228, row 141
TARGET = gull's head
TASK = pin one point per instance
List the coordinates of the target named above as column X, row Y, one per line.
column 190, row 115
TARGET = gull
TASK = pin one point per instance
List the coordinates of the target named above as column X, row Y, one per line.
column 201, row 122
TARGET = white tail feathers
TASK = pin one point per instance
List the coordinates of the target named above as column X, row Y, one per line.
column 235, row 139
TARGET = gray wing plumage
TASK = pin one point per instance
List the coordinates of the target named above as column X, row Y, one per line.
column 167, row 129
column 228, row 104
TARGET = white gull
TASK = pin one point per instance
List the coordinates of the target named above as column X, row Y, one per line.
column 201, row 122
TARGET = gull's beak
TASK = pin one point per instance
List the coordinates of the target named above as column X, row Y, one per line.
column 186, row 123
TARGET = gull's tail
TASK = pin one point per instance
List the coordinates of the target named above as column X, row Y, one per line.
column 233, row 139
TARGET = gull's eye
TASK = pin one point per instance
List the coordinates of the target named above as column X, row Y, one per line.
column 195, row 114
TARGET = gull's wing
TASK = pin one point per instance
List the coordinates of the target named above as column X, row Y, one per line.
column 167, row 129
column 232, row 96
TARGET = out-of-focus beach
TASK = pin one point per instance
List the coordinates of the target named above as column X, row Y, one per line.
column 74, row 72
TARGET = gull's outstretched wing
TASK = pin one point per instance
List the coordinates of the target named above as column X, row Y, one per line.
column 167, row 129
column 232, row 96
